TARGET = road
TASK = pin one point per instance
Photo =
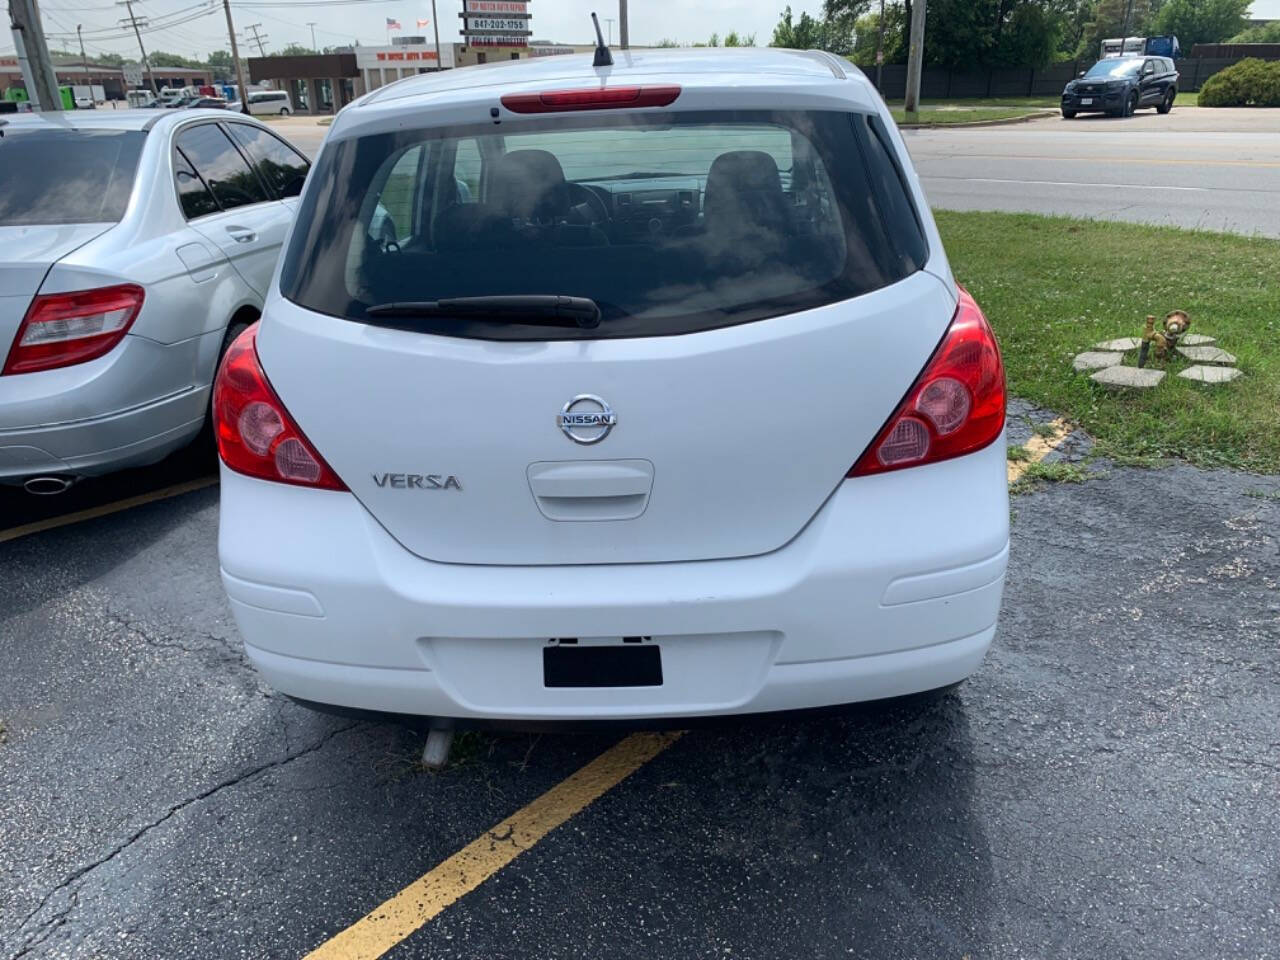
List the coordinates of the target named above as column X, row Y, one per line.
column 1201, row 168
column 1104, row 786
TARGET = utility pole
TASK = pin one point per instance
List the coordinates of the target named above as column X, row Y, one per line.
column 623, row 42
column 915, row 56
column 258, row 40
column 312, row 25
column 33, row 54
column 84, row 61
column 609, row 21
column 146, row 64
column 880, row 47
column 435, row 25
column 235, row 58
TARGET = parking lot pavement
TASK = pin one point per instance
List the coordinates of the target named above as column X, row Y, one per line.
column 1202, row 168
column 1104, row 786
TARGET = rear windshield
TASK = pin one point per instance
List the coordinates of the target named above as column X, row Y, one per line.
column 670, row 222
column 66, row 176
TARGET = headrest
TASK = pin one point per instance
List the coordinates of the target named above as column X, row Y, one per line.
column 744, row 193
column 529, row 185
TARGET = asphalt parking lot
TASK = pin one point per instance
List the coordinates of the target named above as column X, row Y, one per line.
column 1105, row 785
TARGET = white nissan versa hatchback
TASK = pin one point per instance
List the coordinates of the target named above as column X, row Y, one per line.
column 642, row 391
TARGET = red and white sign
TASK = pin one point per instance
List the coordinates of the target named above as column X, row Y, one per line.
column 497, row 6
column 406, row 54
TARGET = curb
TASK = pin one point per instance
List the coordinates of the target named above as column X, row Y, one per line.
column 1003, row 122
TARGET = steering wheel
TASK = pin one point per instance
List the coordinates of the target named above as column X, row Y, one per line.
column 581, row 196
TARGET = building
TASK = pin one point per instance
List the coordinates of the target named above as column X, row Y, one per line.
column 110, row 77
column 405, row 57
column 316, row 83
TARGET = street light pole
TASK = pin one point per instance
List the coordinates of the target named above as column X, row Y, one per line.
column 312, row 25
column 915, row 56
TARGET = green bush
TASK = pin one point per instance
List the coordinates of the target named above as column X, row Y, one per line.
column 1249, row 83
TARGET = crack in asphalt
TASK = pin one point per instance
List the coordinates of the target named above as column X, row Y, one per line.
column 48, row 927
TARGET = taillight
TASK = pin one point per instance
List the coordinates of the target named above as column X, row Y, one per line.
column 65, row 328
column 256, row 436
column 956, row 406
column 591, row 98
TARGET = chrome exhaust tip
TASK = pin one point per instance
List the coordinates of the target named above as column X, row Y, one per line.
column 48, row 486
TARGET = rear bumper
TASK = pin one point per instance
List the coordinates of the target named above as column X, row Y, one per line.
column 130, row 407
column 893, row 588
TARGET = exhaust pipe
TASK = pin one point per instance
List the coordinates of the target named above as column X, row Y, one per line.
column 48, row 486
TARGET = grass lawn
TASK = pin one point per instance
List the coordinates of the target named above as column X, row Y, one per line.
column 1054, row 286
column 941, row 117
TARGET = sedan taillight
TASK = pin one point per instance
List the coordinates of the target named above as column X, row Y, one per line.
column 956, row 406
column 65, row 328
column 256, row 436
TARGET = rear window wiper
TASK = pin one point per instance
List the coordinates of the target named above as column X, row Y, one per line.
column 545, row 309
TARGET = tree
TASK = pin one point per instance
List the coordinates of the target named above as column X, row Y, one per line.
column 1109, row 21
column 1031, row 38
column 296, row 50
column 1267, row 33
column 734, row 39
column 1201, row 21
column 221, row 66
column 866, row 34
column 162, row 59
column 832, row 33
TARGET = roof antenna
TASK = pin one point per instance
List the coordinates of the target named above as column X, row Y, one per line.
column 603, row 57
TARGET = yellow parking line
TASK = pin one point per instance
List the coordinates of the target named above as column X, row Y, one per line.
column 1038, row 448
column 389, row 923
column 106, row 509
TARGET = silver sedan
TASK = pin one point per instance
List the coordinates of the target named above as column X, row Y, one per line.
column 134, row 246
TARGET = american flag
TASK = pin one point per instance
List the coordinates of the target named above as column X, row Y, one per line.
column 423, row 23
column 393, row 24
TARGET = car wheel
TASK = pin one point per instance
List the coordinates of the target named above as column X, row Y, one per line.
column 1131, row 104
column 1068, row 114
column 1167, row 103
column 284, row 111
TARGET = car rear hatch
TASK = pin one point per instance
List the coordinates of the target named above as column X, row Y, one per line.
column 762, row 310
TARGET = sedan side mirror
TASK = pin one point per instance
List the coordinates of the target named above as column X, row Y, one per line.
column 1080, row 75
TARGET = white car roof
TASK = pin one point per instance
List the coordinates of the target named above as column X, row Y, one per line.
column 110, row 119
column 719, row 78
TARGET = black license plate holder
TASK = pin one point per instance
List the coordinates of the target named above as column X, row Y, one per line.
column 602, row 666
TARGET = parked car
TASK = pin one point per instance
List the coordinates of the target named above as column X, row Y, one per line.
column 1121, row 85
column 269, row 102
column 133, row 247
column 206, row 103
column 679, row 410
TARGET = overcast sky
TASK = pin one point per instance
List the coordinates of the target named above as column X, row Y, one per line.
column 285, row 21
